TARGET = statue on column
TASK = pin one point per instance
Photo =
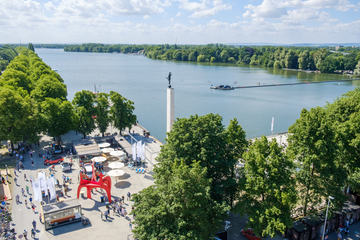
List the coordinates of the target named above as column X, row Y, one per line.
column 169, row 79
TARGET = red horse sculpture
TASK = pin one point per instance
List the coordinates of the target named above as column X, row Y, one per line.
column 104, row 183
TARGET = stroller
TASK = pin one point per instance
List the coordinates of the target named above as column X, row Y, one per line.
column 85, row 221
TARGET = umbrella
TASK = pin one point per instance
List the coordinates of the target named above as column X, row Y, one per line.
column 115, row 173
column 117, row 153
column 99, row 159
column 116, row 165
column 107, row 150
column 103, row 145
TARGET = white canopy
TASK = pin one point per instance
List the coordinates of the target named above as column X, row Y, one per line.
column 115, row 173
column 117, row 153
column 107, row 150
column 99, row 159
column 103, row 145
column 116, row 165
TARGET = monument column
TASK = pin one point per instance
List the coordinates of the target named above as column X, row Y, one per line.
column 170, row 106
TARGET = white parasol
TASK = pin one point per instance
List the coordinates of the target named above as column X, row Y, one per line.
column 117, row 153
column 115, row 173
column 107, row 150
column 116, row 165
column 103, row 145
column 99, row 159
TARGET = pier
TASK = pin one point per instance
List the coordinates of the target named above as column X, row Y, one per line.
column 291, row 84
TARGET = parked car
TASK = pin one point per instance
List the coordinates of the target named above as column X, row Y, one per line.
column 57, row 149
column 249, row 233
column 53, row 160
column 65, row 166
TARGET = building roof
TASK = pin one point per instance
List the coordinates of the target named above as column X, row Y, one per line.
column 54, row 207
column 86, row 147
column 300, row 227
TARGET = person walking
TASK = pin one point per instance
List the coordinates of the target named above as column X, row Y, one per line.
column 40, row 218
column 34, row 224
column 15, row 180
column 17, row 199
column 128, row 196
column 22, row 192
column 33, row 207
column 33, row 232
column 27, row 189
column 123, row 199
column 7, row 178
column 339, row 236
column 106, row 215
column 24, row 177
column 30, row 200
column 32, row 163
column 25, row 234
column 26, row 203
column 130, row 225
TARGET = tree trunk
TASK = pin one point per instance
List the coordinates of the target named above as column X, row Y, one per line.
column 84, row 135
column 103, row 134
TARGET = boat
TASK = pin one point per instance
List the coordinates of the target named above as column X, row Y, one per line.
column 222, row 87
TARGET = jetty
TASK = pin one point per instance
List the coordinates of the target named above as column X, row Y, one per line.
column 291, row 84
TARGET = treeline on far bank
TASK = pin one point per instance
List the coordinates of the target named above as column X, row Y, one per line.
column 306, row 58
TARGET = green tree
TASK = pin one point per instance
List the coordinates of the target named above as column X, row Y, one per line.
column 224, row 56
column 213, row 59
column 102, row 112
column 16, row 79
column 179, row 206
column 49, row 87
column 31, row 47
column 57, row 117
column 203, row 139
column 121, row 111
column 83, row 103
column 357, row 69
column 201, row 58
column 265, row 197
column 312, row 144
column 16, row 115
column 328, row 65
column 304, row 60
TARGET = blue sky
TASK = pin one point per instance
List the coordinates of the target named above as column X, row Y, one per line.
column 181, row 21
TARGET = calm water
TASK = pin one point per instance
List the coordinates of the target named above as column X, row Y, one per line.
column 143, row 81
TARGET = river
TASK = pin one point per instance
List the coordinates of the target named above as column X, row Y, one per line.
column 143, row 81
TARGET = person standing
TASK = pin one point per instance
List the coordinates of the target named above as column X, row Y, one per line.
column 24, row 177
column 128, row 196
column 6, row 170
column 346, row 231
column 123, row 199
column 7, row 178
column 130, row 225
column 25, row 234
column 106, row 215
column 26, row 203
column 22, row 192
column 15, row 180
column 33, row 207
column 27, row 189
column 32, row 163
column 347, row 223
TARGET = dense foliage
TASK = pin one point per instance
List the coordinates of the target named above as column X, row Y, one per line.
column 7, row 53
column 306, row 58
column 179, row 205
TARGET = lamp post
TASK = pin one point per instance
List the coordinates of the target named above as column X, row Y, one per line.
column 327, row 210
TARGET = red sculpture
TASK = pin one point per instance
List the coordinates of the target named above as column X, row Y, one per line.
column 104, row 183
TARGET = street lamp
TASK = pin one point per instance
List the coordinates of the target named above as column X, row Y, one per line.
column 327, row 210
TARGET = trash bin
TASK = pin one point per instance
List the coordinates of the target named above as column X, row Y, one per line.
column 102, row 198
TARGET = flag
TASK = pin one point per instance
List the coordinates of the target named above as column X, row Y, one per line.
column 272, row 124
column 37, row 191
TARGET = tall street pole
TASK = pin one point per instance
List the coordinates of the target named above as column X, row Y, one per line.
column 327, row 210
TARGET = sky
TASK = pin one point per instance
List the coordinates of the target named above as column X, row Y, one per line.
column 180, row 21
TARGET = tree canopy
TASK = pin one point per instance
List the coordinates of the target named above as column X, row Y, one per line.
column 179, row 206
column 121, row 111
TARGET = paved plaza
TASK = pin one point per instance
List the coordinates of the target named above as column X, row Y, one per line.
column 116, row 227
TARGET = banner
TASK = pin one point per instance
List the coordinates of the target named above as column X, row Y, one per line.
column 272, row 124
column 51, row 186
column 134, row 151
column 143, row 151
column 42, row 179
column 139, row 149
column 37, row 191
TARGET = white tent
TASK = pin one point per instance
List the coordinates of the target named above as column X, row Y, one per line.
column 134, row 151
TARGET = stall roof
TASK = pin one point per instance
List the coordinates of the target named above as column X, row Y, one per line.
column 86, row 147
column 299, row 227
column 54, row 207
column 348, row 208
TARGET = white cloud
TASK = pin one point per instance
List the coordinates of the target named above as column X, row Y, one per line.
column 192, row 22
column 204, row 8
column 217, row 24
column 178, row 14
column 146, row 17
column 171, row 20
